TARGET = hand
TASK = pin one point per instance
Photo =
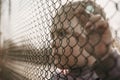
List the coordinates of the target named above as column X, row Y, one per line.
column 98, row 35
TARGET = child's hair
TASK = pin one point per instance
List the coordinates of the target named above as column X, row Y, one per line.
column 72, row 9
column 67, row 12
column 64, row 16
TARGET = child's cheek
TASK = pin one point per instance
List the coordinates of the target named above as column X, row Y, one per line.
column 72, row 42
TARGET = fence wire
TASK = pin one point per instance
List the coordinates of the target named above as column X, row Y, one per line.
column 60, row 39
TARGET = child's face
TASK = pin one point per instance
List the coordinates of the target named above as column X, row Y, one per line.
column 74, row 46
column 68, row 46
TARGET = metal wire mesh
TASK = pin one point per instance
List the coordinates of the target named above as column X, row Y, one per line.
column 60, row 39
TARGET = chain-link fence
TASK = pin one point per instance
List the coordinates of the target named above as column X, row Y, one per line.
column 60, row 39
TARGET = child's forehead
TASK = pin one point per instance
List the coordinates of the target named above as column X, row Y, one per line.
column 68, row 25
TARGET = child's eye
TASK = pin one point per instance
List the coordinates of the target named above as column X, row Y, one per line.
column 62, row 33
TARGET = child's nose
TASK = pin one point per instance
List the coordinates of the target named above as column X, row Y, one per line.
column 54, row 44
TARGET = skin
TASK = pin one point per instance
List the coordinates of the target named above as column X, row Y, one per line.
column 76, row 46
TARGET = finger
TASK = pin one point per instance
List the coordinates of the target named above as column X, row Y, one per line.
column 94, row 18
column 90, row 24
column 101, row 26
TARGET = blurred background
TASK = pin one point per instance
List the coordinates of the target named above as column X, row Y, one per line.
column 25, row 37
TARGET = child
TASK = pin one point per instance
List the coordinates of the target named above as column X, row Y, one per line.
column 81, row 45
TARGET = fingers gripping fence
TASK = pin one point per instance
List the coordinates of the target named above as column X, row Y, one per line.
column 61, row 39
